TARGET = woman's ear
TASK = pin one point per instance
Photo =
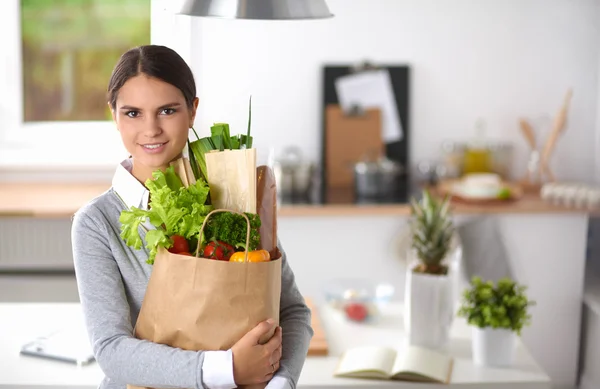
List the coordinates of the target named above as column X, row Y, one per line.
column 112, row 111
column 193, row 111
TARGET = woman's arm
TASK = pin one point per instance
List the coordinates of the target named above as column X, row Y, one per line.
column 122, row 357
column 295, row 321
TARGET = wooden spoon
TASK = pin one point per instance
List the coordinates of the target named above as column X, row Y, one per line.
column 557, row 129
column 528, row 133
column 530, row 138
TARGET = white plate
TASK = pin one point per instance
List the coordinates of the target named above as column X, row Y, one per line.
column 480, row 193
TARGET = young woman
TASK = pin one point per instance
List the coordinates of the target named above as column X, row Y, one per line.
column 152, row 96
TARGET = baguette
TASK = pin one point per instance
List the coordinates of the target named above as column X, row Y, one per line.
column 266, row 207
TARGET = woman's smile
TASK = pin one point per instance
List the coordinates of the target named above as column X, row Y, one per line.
column 154, row 148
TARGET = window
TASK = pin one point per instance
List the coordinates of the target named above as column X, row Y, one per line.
column 57, row 58
column 69, row 48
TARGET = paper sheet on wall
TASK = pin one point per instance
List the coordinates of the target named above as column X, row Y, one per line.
column 372, row 89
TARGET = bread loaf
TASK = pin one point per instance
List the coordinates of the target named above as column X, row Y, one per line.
column 266, row 207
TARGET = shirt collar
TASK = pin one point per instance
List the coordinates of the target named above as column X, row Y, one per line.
column 133, row 193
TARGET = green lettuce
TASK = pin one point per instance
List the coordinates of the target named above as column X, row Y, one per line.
column 174, row 210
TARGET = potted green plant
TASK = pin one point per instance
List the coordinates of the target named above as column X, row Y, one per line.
column 429, row 289
column 497, row 312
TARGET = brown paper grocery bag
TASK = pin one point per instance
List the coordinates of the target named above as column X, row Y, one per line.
column 183, row 169
column 232, row 179
column 196, row 303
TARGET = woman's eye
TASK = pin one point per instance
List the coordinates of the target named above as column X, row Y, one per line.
column 132, row 114
column 167, row 111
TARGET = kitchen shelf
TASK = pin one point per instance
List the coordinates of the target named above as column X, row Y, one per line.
column 56, row 200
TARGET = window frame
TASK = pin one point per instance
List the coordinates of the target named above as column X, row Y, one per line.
column 69, row 145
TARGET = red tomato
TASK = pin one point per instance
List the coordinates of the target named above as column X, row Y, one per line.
column 356, row 311
column 180, row 245
column 218, row 250
column 186, row 253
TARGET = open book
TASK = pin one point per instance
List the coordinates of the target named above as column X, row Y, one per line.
column 410, row 364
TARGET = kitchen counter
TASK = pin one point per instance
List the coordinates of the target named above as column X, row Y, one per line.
column 22, row 322
column 62, row 200
column 545, row 246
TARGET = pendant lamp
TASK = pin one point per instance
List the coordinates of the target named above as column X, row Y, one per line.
column 257, row 9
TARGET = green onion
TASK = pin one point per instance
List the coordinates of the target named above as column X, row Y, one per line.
column 248, row 140
column 193, row 163
column 199, row 148
column 220, row 139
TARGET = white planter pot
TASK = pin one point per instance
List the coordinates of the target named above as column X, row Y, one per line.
column 493, row 346
column 429, row 309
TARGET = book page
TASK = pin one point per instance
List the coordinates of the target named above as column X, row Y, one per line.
column 422, row 364
column 366, row 362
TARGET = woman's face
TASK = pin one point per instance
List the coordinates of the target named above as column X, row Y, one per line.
column 153, row 119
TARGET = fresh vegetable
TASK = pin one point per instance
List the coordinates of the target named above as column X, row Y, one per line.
column 180, row 245
column 504, row 194
column 174, row 210
column 253, row 256
column 356, row 311
column 193, row 163
column 219, row 139
column 231, row 228
column 218, row 250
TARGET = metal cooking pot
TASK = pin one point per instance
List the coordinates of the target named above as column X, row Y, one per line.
column 374, row 179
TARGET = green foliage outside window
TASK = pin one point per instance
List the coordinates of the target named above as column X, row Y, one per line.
column 69, row 48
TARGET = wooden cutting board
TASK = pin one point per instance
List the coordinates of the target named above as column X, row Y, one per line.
column 318, row 344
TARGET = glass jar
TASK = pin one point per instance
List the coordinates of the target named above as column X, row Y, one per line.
column 502, row 159
column 453, row 154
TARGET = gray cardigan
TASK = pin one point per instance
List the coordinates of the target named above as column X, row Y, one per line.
column 112, row 279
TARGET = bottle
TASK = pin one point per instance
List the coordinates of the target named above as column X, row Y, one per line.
column 477, row 157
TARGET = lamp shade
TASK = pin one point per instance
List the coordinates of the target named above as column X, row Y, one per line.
column 257, row 9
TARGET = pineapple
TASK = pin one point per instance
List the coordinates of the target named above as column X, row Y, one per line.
column 431, row 231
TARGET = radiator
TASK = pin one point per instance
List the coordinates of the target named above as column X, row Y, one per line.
column 35, row 244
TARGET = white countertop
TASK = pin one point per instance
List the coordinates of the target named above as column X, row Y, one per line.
column 20, row 322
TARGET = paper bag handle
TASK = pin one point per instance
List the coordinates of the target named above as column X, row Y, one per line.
column 227, row 210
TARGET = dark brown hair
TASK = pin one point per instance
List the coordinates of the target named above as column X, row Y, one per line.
column 154, row 61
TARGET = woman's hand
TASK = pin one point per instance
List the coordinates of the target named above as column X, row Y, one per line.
column 255, row 363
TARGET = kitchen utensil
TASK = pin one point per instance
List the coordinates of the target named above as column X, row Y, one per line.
column 532, row 171
column 293, row 176
column 372, row 295
column 376, row 178
column 558, row 128
column 507, row 192
column 501, row 159
column 429, row 172
column 453, row 154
